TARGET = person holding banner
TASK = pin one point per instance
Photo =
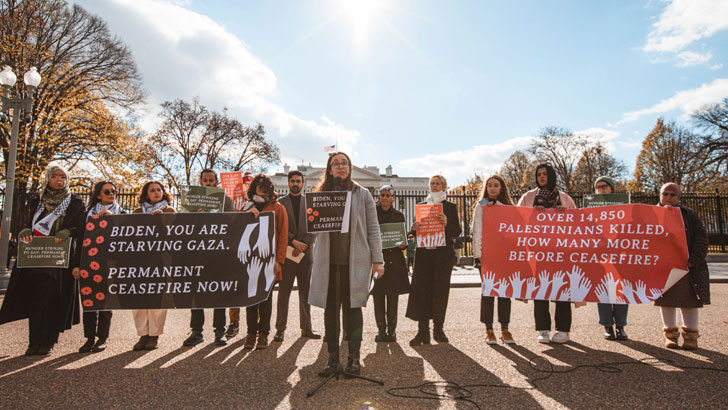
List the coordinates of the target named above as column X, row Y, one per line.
column 263, row 196
column 234, row 313
column 153, row 199
column 692, row 291
column 396, row 279
column 97, row 324
column 343, row 264
column 494, row 191
column 433, row 268
column 48, row 297
column 208, row 178
column 300, row 244
column 611, row 314
column 544, row 197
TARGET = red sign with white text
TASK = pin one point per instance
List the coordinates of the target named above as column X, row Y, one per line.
column 615, row 254
column 232, row 182
column 431, row 232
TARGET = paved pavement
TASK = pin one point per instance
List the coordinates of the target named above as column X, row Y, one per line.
column 588, row 372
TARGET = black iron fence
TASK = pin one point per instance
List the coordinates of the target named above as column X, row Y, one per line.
column 712, row 208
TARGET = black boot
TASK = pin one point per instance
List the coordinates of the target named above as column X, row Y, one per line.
column 621, row 334
column 439, row 335
column 609, row 333
column 331, row 365
column 392, row 318
column 352, row 365
column 423, row 334
column 382, row 333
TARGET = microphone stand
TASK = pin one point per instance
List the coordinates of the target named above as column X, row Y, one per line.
column 340, row 371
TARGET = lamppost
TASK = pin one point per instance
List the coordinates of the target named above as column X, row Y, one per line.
column 18, row 104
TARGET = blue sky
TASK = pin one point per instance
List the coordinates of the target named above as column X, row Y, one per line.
column 430, row 86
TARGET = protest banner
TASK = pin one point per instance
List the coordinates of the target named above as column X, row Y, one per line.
column 206, row 198
column 186, row 260
column 328, row 211
column 44, row 252
column 393, row 234
column 620, row 254
column 594, row 200
column 431, row 232
column 232, row 183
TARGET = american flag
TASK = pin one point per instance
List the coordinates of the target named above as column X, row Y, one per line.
column 330, row 148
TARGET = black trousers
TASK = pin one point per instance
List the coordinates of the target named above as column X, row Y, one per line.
column 353, row 319
column 430, row 286
column 562, row 317
column 258, row 316
column 43, row 319
column 486, row 311
column 302, row 274
column 96, row 324
column 197, row 320
column 386, row 314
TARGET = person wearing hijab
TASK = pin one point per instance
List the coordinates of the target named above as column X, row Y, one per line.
column 544, row 197
column 396, row 275
column 97, row 324
column 433, row 267
column 495, row 191
column 692, row 291
column 263, row 196
column 343, row 265
column 48, row 297
column 153, row 199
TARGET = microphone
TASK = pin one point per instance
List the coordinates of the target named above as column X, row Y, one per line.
column 338, row 184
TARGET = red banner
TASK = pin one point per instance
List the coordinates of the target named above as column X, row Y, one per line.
column 431, row 232
column 232, row 182
column 615, row 254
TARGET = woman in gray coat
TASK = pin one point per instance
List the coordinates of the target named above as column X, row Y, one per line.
column 349, row 257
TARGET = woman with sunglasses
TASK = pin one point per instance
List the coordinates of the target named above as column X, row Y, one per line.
column 692, row 291
column 153, row 199
column 396, row 279
column 96, row 324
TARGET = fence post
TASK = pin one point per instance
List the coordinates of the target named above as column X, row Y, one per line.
column 720, row 220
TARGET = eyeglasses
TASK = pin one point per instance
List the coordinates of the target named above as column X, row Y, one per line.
column 109, row 192
column 342, row 164
column 666, row 193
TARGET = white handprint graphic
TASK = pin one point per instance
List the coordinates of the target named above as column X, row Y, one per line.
column 628, row 291
column 611, row 287
column 557, row 283
column 516, row 284
column 244, row 250
column 262, row 245
column 579, row 284
column 531, row 286
column 601, row 293
column 565, row 295
column 655, row 293
column 544, row 281
column 269, row 273
column 502, row 288
column 488, row 281
column 254, row 269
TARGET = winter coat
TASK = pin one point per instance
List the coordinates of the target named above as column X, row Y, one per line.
column 365, row 249
column 396, row 274
column 17, row 304
column 693, row 290
column 281, row 220
column 529, row 197
column 477, row 228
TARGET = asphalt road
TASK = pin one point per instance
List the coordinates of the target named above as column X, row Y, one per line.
column 588, row 372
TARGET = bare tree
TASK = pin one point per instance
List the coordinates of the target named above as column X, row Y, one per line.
column 519, row 172
column 596, row 161
column 562, row 149
column 714, row 120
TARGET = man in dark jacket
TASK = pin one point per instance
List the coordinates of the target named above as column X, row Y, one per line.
column 299, row 242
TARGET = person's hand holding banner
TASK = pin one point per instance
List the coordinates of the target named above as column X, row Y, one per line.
column 621, row 254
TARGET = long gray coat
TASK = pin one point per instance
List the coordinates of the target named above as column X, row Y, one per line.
column 365, row 249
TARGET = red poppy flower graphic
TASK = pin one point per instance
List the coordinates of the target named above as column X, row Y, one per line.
column 87, row 242
column 98, row 278
column 315, row 213
column 94, row 265
column 93, row 251
column 311, row 218
column 94, row 217
column 90, row 226
column 100, row 296
column 100, row 240
column 88, row 303
column 85, row 290
column 103, row 224
column 309, row 211
column 83, row 273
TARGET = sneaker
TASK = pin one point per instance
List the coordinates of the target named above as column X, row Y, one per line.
column 249, row 342
column 86, row 346
column 194, row 339
column 232, row 330
column 490, row 337
column 507, row 337
column 262, row 342
column 543, row 336
column 560, row 337
column 220, row 339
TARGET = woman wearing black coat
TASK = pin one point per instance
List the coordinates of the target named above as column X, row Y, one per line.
column 396, row 275
column 692, row 291
column 48, row 297
column 433, row 268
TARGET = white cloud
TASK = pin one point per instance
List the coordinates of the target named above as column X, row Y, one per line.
column 683, row 22
column 690, row 58
column 457, row 166
column 716, row 67
column 687, row 100
column 181, row 54
column 606, row 137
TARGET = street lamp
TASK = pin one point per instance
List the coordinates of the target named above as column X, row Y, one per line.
column 17, row 104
